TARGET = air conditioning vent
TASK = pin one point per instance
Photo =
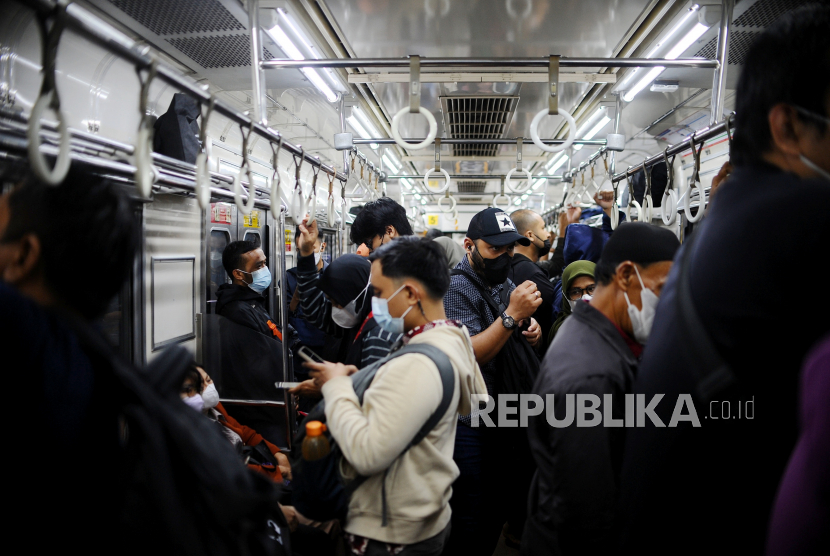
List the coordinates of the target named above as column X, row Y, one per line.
column 471, row 200
column 478, row 117
column 166, row 17
column 471, row 186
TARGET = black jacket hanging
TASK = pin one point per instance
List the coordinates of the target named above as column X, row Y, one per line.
column 176, row 133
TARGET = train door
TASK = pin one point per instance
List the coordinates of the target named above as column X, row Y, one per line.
column 329, row 235
column 222, row 228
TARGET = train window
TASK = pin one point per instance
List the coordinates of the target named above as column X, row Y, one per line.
column 252, row 236
column 217, row 242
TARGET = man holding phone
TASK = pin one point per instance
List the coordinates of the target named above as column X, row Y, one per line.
column 409, row 278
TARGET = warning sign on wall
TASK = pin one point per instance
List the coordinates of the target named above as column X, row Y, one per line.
column 433, row 219
column 251, row 220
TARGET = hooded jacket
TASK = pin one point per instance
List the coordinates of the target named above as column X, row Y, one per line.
column 575, row 488
column 572, row 272
column 245, row 307
column 402, row 397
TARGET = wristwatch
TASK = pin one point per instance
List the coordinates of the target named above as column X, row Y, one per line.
column 508, row 322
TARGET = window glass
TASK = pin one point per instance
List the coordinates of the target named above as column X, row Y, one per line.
column 217, row 242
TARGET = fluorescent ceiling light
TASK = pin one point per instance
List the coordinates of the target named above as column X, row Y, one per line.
column 417, row 196
column 358, row 127
column 423, row 202
column 406, row 183
column 678, row 49
column 387, row 159
column 538, row 184
column 291, row 50
column 594, row 130
column 557, row 162
column 369, row 129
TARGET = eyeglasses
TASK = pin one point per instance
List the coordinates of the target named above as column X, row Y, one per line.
column 577, row 293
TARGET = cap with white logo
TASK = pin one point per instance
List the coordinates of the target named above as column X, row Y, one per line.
column 494, row 226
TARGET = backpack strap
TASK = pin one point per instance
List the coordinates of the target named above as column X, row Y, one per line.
column 498, row 308
column 445, row 370
column 714, row 374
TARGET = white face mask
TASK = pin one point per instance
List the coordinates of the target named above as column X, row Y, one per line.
column 317, row 258
column 210, row 396
column 642, row 319
column 815, row 167
column 345, row 317
column 195, row 402
column 585, row 297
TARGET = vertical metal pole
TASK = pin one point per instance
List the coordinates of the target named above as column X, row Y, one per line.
column 719, row 79
column 617, row 118
column 343, row 130
column 257, row 74
column 288, row 369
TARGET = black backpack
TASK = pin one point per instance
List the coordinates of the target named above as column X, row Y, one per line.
column 517, row 362
column 320, row 492
column 183, row 488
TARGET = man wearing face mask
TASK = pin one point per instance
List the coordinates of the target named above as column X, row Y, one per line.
column 242, row 301
column 596, row 351
column 721, row 478
column 491, row 237
column 524, row 265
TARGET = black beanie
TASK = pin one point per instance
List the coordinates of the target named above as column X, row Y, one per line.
column 639, row 243
column 345, row 278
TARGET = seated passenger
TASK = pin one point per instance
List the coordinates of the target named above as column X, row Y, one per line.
column 574, row 492
column 410, row 279
column 714, row 486
column 578, row 284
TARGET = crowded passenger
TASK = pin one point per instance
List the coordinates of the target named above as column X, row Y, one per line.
column 478, row 516
column 523, row 265
column 402, row 508
column 578, row 283
column 574, row 493
column 242, row 300
column 711, row 489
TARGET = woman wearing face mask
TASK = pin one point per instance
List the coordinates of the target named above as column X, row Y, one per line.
column 578, row 284
column 347, row 314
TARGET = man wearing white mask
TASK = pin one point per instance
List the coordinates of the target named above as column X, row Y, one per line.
column 596, row 351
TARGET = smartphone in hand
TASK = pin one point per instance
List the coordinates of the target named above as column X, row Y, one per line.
column 309, row 355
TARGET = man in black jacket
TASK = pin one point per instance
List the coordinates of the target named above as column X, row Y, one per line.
column 595, row 353
column 523, row 265
column 242, row 301
column 709, row 489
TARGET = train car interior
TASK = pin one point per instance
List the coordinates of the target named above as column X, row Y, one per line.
column 231, row 120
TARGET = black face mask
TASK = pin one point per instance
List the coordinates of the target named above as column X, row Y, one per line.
column 494, row 271
column 544, row 249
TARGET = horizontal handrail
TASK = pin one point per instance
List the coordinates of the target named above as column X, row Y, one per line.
column 541, row 62
column 458, row 141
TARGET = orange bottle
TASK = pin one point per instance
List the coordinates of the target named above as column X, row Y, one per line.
column 315, row 445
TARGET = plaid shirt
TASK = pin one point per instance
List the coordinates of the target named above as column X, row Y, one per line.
column 465, row 304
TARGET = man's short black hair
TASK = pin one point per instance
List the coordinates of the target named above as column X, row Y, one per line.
column 233, row 253
column 788, row 63
column 418, row 258
column 433, row 233
column 372, row 220
column 88, row 233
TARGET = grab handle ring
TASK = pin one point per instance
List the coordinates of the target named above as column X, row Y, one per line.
column 244, row 208
column 695, row 184
column 452, row 204
column 433, row 129
column 509, row 181
column 534, row 131
column 648, row 202
column 202, row 171
column 145, row 174
column 276, row 179
column 668, row 204
column 311, row 205
column 331, row 217
column 49, row 97
column 496, row 201
column 446, row 183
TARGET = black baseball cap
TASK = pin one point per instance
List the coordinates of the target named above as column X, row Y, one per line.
column 494, row 226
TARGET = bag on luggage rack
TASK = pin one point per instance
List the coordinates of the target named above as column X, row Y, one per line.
column 517, row 362
column 183, row 487
column 320, row 492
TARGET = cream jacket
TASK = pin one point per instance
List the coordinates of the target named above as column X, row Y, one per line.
column 402, row 397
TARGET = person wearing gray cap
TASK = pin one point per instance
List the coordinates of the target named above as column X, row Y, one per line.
column 596, row 351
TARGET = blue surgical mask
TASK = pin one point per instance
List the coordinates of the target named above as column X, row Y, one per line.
column 261, row 279
column 380, row 312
